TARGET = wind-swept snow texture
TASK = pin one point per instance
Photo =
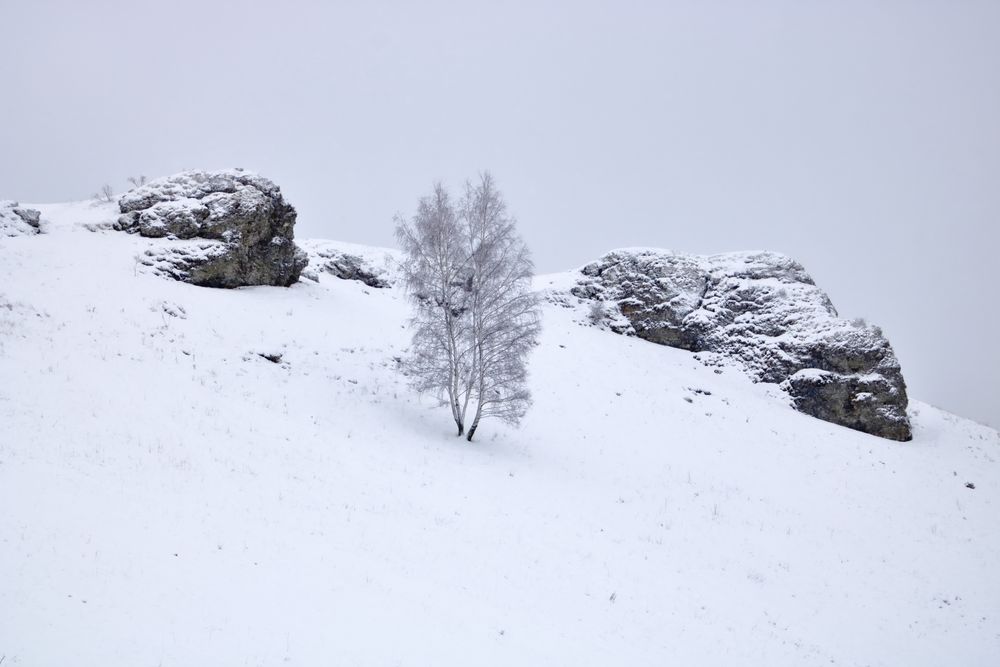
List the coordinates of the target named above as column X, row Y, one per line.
column 192, row 476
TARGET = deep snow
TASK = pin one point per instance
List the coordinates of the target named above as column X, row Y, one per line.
column 168, row 496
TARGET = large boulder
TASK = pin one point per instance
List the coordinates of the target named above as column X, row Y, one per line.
column 763, row 310
column 16, row 220
column 248, row 225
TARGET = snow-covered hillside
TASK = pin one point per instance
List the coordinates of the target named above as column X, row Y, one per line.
column 194, row 476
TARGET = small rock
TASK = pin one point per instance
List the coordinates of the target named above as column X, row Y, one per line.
column 17, row 221
column 274, row 358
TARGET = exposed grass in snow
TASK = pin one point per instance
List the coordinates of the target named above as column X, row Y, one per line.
column 169, row 496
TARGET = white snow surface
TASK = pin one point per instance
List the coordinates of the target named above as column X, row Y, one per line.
column 168, row 496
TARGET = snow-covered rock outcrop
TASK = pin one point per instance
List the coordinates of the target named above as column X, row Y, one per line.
column 246, row 227
column 375, row 267
column 18, row 221
column 763, row 310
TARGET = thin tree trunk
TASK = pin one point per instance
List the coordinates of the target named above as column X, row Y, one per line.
column 475, row 422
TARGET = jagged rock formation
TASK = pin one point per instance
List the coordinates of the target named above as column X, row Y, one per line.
column 247, row 225
column 763, row 310
column 18, row 221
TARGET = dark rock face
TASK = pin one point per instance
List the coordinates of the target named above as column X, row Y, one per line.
column 246, row 216
column 18, row 221
column 855, row 401
column 763, row 310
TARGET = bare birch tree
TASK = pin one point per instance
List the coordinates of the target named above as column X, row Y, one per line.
column 431, row 243
column 468, row 274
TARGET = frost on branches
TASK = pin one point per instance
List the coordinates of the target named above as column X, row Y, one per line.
column 468, row 274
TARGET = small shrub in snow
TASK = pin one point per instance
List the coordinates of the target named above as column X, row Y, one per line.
column 596, row 313
column 107, row 194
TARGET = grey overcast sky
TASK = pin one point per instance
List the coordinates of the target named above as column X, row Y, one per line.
column 862, row 138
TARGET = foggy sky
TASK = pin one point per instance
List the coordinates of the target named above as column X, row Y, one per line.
column 863, row 139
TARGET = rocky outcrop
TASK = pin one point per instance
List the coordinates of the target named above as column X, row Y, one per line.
column 246, row 224
column 18, row 221
column 763, row 310
column 371, row 266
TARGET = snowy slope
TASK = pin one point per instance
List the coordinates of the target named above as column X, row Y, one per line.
column 168, row 496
